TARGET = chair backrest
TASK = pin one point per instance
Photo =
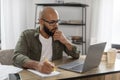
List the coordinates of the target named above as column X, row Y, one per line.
column 6, row 56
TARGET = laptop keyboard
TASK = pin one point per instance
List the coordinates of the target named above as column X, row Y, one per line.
column 72, row 64
column 78, row 67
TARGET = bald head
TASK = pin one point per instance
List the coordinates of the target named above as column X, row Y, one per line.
column 48, row 12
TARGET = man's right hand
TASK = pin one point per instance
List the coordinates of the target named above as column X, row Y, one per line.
column 46, row 67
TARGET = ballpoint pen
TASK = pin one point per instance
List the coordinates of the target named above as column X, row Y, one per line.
column 54, row 67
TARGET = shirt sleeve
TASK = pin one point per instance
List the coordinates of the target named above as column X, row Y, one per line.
column 20, row 51
column 73, row 53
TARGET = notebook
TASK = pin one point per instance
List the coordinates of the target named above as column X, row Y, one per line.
column 54, row 73
column 91, row 61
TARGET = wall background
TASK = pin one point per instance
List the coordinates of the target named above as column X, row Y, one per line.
column 29, row 19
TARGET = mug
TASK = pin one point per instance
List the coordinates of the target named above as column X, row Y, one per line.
column 111, row 55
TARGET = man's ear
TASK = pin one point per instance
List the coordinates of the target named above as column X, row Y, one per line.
column 41, row 21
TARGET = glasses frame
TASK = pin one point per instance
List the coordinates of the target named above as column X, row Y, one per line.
column 52, row 22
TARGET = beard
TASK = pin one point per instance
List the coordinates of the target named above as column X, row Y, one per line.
column 49, row 32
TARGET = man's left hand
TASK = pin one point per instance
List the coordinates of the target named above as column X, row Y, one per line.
column 58, row 35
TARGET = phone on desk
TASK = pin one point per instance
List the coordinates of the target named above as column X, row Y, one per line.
column 15, row 76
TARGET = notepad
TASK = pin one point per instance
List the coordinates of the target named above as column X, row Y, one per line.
column 54, row 73
column 8, row 69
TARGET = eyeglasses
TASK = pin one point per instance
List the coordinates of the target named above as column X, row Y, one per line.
column 52, row 22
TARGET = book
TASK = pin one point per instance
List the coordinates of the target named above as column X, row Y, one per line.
column 54, row 73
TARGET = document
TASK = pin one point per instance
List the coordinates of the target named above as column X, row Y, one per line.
column 54, row 73
column 5, row 70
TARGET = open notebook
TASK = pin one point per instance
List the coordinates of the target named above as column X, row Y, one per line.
column 54, row 73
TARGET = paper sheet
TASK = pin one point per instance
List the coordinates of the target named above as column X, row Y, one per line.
column 7, row 69
column 54, row 73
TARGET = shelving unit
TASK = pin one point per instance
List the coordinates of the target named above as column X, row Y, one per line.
column 82, row 24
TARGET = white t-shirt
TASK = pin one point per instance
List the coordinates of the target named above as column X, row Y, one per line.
column 46, row 52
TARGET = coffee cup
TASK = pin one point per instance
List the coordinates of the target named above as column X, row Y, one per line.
column 111, row 55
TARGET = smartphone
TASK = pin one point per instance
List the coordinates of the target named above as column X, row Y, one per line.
column 15, row 76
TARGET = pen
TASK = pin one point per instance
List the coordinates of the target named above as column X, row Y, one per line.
column 54, row 67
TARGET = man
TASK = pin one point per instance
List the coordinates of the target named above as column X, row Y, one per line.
column 47, row 41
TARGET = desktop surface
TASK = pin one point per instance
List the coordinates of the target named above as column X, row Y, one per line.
column 102, row 69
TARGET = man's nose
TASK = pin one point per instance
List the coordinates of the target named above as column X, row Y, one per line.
column 55, row 25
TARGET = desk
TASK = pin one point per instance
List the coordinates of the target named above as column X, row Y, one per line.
column 103, row 72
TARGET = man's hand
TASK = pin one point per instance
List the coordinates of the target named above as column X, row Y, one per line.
column 46, row 67
column 58, row 35
column 43, row 67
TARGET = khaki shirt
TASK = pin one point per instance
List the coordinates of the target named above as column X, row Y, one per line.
column 29, row 48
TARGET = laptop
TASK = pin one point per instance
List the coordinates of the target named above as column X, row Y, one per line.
column 91, row 61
